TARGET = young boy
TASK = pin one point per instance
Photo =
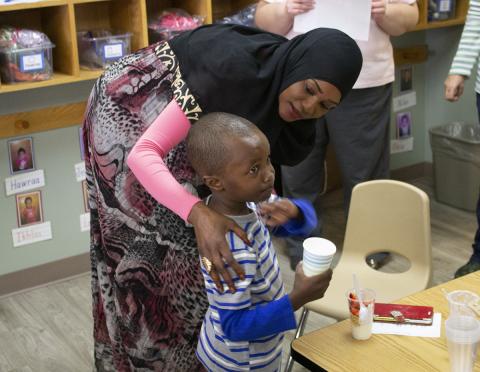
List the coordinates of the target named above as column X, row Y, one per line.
column 244, row 330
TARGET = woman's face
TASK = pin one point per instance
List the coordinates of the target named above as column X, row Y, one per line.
column 307, row 99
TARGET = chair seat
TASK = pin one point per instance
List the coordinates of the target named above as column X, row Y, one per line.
column 334, row 303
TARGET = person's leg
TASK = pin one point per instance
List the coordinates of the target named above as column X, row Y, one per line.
column 305, row 181
column 473, row 263
column 359, row 132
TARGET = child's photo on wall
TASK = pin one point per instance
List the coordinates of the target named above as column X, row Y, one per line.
column 29, row 208
column 406, row 78
column 404, row 125
column 20, row 151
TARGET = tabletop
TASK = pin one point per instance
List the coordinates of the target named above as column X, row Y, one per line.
column 333, row 349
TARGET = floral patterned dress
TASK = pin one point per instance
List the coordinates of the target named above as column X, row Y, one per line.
column 148, row 293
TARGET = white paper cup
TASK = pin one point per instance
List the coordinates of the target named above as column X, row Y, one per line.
column 463, row 335
column 317, row 255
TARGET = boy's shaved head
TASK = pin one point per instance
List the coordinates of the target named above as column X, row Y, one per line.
column 207, row 148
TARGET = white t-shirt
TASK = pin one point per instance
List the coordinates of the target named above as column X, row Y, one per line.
column 378, row 67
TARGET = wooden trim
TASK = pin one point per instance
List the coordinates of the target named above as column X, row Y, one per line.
column 413, row 54
column 22, row 123
column 412, row 171
column 42, row 274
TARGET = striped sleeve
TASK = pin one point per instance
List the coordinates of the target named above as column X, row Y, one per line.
column 246, row 257
column 469, row 46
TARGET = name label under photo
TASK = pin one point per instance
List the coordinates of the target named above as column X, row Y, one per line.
column 404, row 101
column 32, row 234
column 24, row 182
column 85, row 222
column 401, row 145
column 80, row 174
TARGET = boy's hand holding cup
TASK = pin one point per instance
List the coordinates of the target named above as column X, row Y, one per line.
column 308, row 288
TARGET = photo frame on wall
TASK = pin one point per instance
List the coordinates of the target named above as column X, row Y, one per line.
column 406, row 78
column 85, row 197
column 21, row 155
column 404, row 125
column 29, row 208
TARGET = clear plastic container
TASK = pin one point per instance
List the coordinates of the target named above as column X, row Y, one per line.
column 98, row 49
column 440, row 10
column 26, row 64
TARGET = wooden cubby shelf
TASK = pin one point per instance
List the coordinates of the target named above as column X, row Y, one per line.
column 61, row 19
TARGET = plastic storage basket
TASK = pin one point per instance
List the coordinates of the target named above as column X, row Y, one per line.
column 26, row 64
column 98, row 49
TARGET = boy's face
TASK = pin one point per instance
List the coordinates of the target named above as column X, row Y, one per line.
column 249, row 175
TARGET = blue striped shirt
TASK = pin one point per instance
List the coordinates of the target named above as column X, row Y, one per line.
column 243, row 331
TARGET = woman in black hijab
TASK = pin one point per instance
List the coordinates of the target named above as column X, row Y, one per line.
column 148, row 294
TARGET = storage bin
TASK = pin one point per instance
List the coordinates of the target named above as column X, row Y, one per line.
column 26, row 64
column 456, row 164
column 440, row 10
column 170, row 23
column 98, row 49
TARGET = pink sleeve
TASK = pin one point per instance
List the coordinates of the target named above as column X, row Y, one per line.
column 146, row 160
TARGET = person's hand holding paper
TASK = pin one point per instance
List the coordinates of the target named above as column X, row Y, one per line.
column 296, row 7
column 349, row 16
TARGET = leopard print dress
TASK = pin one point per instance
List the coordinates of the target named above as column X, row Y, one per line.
column 148, row 293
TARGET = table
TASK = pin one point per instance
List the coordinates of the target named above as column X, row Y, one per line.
column 333, row 349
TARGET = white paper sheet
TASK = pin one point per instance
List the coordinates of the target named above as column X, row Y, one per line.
column 433, row 330
column 349, row 16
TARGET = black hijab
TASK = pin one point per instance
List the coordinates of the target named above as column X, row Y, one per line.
column 243, row 70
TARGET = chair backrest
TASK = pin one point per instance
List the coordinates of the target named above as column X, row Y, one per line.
column 387, row 215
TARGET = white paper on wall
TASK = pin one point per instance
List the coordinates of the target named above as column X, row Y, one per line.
column 401, row 145
column 24, row 182
column 404, row 101
column 85, row 222
column 32, row 234
column 80, row 171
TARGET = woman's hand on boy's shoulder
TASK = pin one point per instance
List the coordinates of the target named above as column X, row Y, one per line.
column 278, row 212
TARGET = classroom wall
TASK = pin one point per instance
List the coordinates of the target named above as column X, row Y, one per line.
column 57, row 151
column 428, row 78
column 443, row 45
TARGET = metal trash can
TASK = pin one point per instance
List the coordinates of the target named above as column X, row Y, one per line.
column 456, row 164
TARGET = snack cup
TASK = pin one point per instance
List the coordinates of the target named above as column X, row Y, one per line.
column 361, row 320
column 317, row 255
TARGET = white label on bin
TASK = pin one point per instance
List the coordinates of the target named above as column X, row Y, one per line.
column 445, row 5
column 111, row 51
column 32, row 62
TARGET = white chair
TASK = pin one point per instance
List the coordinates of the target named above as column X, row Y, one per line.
column 384, row 215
